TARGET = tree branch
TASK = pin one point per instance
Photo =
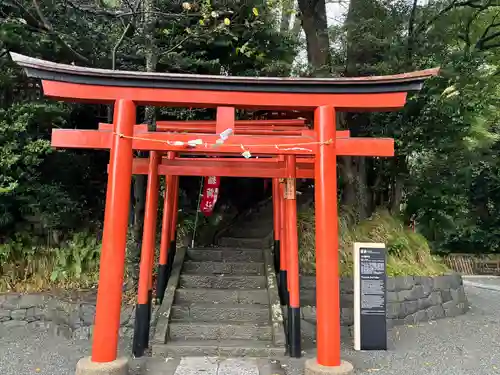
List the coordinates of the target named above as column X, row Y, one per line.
column 122, row 37
column 135, row 12
column 94, row 11
column 46, row 24
column 491, row 46
column 485, row 38
column 454, row 5
column 48, row 27
column 26, row 15
column 490, row 26
column 482, row 46
column 411, row 33
column 41, row 24
column 466, row 36
column 176, row 46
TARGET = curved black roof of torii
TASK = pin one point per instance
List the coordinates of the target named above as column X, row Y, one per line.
column 50, row 71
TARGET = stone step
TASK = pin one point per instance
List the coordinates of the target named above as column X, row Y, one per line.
column 219, row 254
column 219, row 331
column 250, row 228
column 226, row 348
column 208, row 312
column 242, row 242
column 234, row 268
column 217, row 296
column 222, row 281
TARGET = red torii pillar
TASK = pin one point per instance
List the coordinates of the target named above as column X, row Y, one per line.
column 108, row 307
column 292, row 257
column 164, row 265
column 173, row 228
column 326, row 218
column 276, row 223
column 283, row 278
column 144, row 294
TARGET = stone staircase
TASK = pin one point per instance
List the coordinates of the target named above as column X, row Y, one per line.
column 223, row 305
column 254, row 230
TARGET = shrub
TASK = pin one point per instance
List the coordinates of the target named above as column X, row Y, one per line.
column 408, row 252
column 28, row 266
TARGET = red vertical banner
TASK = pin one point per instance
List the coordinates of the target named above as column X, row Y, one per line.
column 209, row 195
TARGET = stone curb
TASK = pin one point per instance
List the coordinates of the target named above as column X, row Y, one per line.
column 274, row 300
column 162, row 316
column 482, row 286
column 465, row 277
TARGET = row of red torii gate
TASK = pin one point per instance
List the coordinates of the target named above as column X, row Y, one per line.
column 286, row 150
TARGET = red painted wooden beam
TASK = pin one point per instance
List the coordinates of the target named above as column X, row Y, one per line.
column 358, row 146
column 206, row 98
column 296, row 123
column 258, row 168
column 242, row 130
column 71, row 138
column 225, row 119
column 193, row 127
column 160, row 141
column 139, row 128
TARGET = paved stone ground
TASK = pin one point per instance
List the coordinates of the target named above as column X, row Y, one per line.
column 24, row 351
column 466, row 345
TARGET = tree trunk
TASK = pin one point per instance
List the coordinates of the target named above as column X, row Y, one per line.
column 396, row 195
column 151, row 53
column 314, row 23
column 297, row 23
column 355, row 191
column 400, row 168
column 353, row 171
column 286, row 13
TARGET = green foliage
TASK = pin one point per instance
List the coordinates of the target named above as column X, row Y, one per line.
column 27, row 265
column 46, row 195
column 78, row 261
column 445, row 173
column 408, row 252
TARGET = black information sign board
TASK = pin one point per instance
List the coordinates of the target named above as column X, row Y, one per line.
column 372, row 298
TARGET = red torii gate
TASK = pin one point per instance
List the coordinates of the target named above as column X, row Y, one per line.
column 266, row 167
column 126, row 90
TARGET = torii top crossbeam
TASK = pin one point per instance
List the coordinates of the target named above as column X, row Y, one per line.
column 70, row 82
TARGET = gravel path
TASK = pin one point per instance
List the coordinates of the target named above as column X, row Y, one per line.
column 24, row 351
column 466, row 345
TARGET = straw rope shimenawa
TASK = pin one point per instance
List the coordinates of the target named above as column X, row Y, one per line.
column 245, row 147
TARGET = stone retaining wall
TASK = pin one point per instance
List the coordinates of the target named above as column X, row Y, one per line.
column 67, row 318
column 410, row 299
